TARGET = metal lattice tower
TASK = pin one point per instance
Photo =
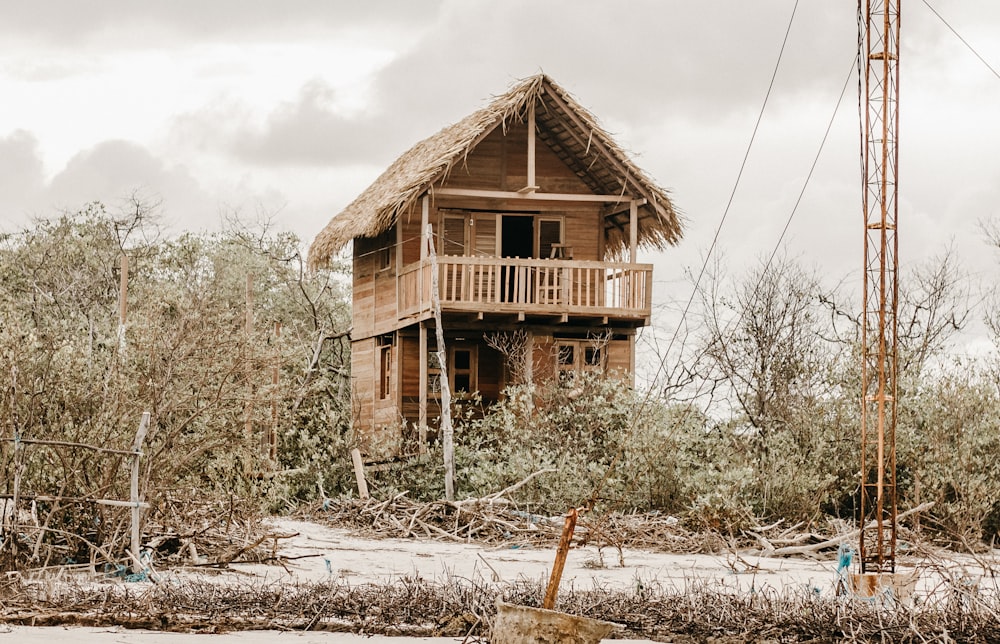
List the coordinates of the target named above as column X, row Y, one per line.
column 878, row 32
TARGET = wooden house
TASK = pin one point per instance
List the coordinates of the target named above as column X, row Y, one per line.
column 526, row 217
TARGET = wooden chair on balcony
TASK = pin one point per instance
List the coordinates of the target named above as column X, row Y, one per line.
column 561, row 251
column 549, row 286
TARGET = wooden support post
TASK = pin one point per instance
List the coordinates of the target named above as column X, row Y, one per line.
column 531, row 150
column 422, row 410
column 447, row 432
column 134, row 499
column 122, row 304
column 247, row 361
column 425, row 232
column 557, row 567
column 359, row 473
column 271, row 451
column 633, row 230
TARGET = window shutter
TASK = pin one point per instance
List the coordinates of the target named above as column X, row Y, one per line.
column 485, row 234
column 454, row 236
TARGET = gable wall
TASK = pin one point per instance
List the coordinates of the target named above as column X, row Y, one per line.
column 500, row 163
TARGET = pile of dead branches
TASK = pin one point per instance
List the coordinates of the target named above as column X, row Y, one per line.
column 184, row 530
column 699, row 612
column 494, row 520
column 776, row 540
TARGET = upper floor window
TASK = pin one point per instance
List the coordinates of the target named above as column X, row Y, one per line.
column 383, row 258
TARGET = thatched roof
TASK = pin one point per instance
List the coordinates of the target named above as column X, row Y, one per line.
column 562, row 123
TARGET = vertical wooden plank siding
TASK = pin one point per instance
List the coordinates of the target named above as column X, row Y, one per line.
column 392, row 294
column 363, row 384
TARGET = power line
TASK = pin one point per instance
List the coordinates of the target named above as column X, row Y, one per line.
column 805, row 183
column 964, row 41
column 686, row 312
column 708, row 255
column 732, row 193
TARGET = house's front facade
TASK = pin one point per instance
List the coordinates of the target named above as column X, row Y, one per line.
column 523, row 220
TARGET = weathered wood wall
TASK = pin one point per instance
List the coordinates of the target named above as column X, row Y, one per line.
column 497, row 163
column 363, row 385
column 620, row 356
column 374, row 285
column 376, row 419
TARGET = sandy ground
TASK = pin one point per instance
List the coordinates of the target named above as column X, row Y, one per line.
column 330, row 551
column 322, row 553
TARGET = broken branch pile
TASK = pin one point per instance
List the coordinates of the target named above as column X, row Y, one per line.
column 700, row 611
column 497, row 520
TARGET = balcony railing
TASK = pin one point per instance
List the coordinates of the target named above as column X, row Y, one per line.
column 529, row 286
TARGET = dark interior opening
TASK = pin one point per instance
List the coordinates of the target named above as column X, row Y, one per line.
column 517, row 236
column 517, row 239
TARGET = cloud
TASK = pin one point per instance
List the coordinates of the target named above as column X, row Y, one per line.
column 115, row 169
column 312, row 131
column 21, row 173
column 69, row 23
column 107, row 172
column 473, row 51
column 647, row 59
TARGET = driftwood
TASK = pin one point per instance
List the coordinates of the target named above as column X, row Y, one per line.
column 770, row 551
column 502, row 494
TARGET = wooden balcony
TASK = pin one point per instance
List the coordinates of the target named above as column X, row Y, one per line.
column 530, row 287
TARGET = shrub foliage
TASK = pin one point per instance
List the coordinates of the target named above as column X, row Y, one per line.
column 757, row 421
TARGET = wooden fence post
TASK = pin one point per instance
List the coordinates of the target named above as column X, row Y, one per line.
column 247, row 357
column 447, row 431
column 359, row 473
column 271, row 448
column 134, row 499
column 557, row 567
column 122, row 305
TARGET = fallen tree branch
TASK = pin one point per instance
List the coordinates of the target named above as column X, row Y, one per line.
column 836, row 541
column 513, row 488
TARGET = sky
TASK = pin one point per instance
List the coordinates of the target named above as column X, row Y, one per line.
column 290, row 109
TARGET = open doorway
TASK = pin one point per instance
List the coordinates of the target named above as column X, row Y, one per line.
column 517, row 236
column 517, row 239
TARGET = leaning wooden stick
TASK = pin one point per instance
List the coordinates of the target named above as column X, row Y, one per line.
column 557, row 567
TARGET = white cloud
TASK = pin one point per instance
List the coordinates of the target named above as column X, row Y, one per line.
column 297, row 106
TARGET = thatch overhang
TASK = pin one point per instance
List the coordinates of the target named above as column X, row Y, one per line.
column 564, row 125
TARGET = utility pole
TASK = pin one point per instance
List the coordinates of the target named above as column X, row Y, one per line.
column 878, row 31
